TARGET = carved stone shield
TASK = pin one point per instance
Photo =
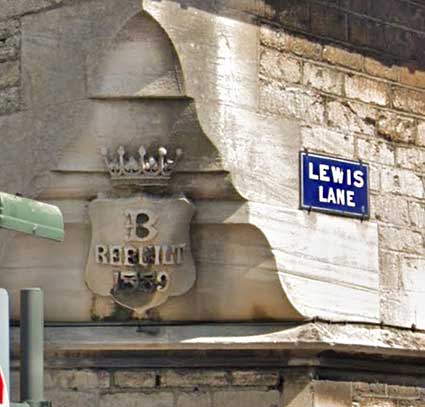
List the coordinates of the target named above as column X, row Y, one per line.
column 140, row 250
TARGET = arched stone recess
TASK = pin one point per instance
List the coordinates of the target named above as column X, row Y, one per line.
column 317, row 256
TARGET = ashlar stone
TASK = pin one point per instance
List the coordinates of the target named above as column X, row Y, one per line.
column 323, row 79
column 276, row 65
column 366, row 90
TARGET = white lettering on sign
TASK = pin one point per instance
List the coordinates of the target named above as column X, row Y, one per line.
column 335, row 174
column 337, row 196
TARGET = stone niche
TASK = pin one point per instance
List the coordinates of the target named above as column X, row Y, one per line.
column 126, row 86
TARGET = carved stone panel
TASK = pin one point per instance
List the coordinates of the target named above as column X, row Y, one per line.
column 140, row 250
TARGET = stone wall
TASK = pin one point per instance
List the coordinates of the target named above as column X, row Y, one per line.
column 352, row 73
column 218, row 388
column 165, row 388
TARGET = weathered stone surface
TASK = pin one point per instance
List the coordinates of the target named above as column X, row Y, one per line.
column 417, row 214
column 401, row 239
column 254, row 378
column 342, row 56
column 322, row 78
column 72, row 398
column 159, row 399
column 371, row 389
column 283, row 40
column 9, row 74
column 375, row 67
column 134, row 378
column 292, row 102
column 352, row 116
column 401, row 181
column 409, row 100
column 389, row 280
column 412, row 76
column 396, row 128
column 247, row 397
column 297, row 390
column 375, row 151
column 332, row 394
column 77, row 379
column 10, row 100
column 412, row 158
column 193, row 378
column 375, row 402
column 391, row 209
column 279, row 66
column 366, row 90
column 195, row 399
column 320, row 139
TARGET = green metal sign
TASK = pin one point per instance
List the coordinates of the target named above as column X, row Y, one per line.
column 31, row 217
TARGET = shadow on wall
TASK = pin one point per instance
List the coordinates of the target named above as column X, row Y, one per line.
column 389, row 31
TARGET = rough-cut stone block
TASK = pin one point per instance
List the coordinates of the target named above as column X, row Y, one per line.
column 340, row 56
column 391, row 209
column 375, row 151
column 395, row 127
column 412, row 76
column 411, row 158
column 160, row 399
column 351, row 116
column 420, row 137
column 387, row 70
column 363, row 388
column 389, row 278
column 402, row 182
column 72, row 398
column 193, row 378
column 194, row 399
column 417, row 215
column 276, row 65
column 254, row 378
column 17, row 7
column 400, row 239
column 284, row 41
column 305, row 48
column 375, row 177
column 134, row 378
column 377, row 402
column 247, row 398
column 77, row 379
column 274, row 38
column 366, row 90
column 332, row 394
column 322, row 140
column 292, row 102
column 9, row 100
column 403, row 392
column 409, row 100
column 9, row 74
column 322, row 78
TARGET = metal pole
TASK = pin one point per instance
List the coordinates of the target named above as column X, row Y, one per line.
column 32, row 322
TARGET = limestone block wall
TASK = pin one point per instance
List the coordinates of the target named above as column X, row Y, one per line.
column 352, row 73
column 218, row 388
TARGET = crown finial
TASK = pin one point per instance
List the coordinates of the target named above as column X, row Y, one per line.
column 146, row 170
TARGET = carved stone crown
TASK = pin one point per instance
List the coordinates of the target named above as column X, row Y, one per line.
column 144, row 170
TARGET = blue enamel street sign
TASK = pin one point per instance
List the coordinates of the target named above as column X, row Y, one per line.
column 333, row 185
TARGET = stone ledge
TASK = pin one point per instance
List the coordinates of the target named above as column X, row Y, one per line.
column 310, row 338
